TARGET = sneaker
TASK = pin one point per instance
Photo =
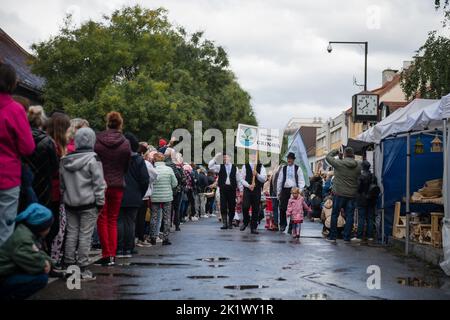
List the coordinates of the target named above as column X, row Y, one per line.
column 355, row 240
column 166, row 243
column 153, row 242
column 177, row 228
column 370, row 239
column 213, row 215
column 254, row 231
column 159, row 240
column 224, row 227
column 87, row 275
column 110, row 262
column 127, row 255
column 143, row 244
column 194, row 219
column 330, row 240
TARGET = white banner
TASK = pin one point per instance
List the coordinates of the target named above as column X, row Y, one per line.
column 261, row 139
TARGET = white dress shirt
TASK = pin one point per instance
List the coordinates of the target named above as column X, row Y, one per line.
column 212, row 165
column 290, row 179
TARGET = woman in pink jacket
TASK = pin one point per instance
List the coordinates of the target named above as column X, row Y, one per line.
column 16, row 141
column 295, row 210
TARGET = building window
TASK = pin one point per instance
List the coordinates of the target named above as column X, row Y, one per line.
column 336, row 135
column 321, row 143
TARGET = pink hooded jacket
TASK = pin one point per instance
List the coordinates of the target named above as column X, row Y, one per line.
column 16, row 141
column 296, row 208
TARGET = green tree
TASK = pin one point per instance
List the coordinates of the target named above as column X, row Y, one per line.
column 445, row 6
column 429, row 76
column 134, row 61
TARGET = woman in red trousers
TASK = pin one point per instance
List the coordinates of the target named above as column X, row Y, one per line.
column 115, row 153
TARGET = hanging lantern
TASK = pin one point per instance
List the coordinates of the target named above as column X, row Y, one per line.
column 436, row 144
column 419, row 147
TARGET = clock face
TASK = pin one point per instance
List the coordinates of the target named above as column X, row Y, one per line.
column 366, row 105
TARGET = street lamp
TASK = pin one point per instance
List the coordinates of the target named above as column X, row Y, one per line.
column 366, row 46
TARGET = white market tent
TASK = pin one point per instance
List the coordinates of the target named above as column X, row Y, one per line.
column 421, row 115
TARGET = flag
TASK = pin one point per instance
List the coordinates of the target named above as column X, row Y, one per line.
column 301, row 157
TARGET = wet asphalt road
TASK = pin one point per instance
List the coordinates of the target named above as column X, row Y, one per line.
column 207, row 263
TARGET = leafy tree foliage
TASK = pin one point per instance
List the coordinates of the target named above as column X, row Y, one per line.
column 429, row 76
column 134, row 61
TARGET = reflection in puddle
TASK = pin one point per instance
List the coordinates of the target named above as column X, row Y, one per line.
column 207, row 277
column 128, row 285
column 418, row 282
column 176, row 289
column 246, row 287
column 316, row 296
column 216, row 265
column 280, row 279
column 134, row 294
column 213, row 259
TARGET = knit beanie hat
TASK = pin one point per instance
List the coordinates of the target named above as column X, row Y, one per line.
column 37, row 217
column 84, row 138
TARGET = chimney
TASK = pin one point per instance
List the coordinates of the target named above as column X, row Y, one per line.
column 387, row 76
column 407, row 64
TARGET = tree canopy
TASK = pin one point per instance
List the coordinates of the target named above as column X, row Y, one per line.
column 136, row 62
column 429, row 76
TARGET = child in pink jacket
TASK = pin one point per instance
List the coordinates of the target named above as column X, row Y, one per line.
column 296, row 207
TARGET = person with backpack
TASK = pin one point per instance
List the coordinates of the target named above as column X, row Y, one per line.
column 366, row 201
column 290, row 176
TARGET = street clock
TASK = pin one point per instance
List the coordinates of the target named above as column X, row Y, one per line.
column 365, row 107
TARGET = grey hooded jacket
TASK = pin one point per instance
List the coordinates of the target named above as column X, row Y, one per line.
column 82, row 182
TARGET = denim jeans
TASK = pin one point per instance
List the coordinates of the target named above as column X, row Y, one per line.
column 366, row 215
column 348, row 204
column 9, row 202
column 22, row 286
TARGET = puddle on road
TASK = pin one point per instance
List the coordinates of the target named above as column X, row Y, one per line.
column 213, row 259
column 207, row 277
column 118, row 275
column 316, row 296
column 153, row 264
column 246, row 287
column 342, row 270
column 134, row 294
column 176, row 289
column 286, row 268
column 216, row 265
column 418, row 282
column 280, row 279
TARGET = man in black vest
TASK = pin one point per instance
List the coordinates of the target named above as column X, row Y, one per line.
column 290, row 176
column 252, row 192
column 228, row 182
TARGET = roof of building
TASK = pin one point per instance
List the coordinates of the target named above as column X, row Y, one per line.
column 11, row 52
column 388, row 85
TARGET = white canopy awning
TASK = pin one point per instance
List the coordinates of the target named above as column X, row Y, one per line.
column 418, row 115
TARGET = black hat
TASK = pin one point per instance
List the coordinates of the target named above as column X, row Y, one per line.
column 291, row 155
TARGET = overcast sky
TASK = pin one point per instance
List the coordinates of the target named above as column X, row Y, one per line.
column 277, row 48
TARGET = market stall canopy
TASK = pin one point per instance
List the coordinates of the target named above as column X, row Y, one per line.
column 359, row 147
column 446, row 106
column 418, row 115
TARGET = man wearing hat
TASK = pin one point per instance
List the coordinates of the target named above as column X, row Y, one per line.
column 290, row 176
column 345, row 187
column 24, row 266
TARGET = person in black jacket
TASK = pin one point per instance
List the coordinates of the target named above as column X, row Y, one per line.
column 170, row 155
column 44, row 161
column 136, row 185
column 202, row 185
column 316, row 195
column 366, row 205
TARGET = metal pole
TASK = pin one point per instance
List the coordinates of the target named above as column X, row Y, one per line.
column 408, row 168
column 446, row 168
column 382, row 197
column 366, row 44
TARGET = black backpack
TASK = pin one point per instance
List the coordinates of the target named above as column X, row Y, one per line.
column 374, row 190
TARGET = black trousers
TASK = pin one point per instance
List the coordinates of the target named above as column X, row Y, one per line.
column 227, row 203
column 251, row 199
column 176, row 217
column 126, row 229
column 140, row 220
column 284, row 199
column 190, row 195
